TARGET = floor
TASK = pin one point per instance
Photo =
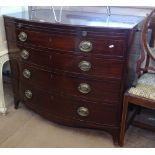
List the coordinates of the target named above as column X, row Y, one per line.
column 23, row 128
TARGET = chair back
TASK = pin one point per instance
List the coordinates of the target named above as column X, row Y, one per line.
column 146, row 61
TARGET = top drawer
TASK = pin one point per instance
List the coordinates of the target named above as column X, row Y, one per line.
column 88, row 42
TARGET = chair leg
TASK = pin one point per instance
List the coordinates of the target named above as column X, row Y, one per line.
column 123, row 121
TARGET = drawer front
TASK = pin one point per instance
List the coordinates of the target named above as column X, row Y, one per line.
column 87, row 89
column 90, row 65
column 105, row 45
column 48, row 39
column 73, row 42
column 34, row 56
column 74, row 109
column 80, row 87
column 34, row 38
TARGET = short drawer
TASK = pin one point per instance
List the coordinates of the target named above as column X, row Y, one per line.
column 46, row 39
column 34, row 56
column 103, row 45
column 90, row 66
column 74, row 86
column 69, row 108
column 73, row 42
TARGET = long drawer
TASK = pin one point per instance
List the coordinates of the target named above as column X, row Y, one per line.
column 90, row 66
column 85, row 65
column 74, row 86
column 110, row 45
column 70, row 108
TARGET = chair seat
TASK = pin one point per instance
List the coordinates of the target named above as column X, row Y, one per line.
column 145, row 86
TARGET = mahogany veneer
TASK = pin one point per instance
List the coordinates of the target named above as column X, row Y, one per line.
column 71, row 74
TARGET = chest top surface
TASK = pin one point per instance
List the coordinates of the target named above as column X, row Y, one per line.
column 79, row 19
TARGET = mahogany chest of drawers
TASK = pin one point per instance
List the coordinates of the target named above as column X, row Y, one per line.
column 71, row 72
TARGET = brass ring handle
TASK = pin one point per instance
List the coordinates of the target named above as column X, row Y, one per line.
column 24, row 54
column 82, row 111
column 26, row 73
column 22, row 36
column 86, row 46
column 84, row 88
column 28, row 94
column 84, row 65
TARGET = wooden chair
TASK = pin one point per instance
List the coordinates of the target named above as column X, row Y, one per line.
column 142, row 92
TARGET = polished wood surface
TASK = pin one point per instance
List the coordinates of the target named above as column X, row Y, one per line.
column 48, row 77
column 71, row 42
column 66, row 107
column 107, row 68
column 100, row 90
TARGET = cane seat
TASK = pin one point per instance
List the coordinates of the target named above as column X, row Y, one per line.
column 145, row 86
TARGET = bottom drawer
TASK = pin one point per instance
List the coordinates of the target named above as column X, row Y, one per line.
column 70, row 108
